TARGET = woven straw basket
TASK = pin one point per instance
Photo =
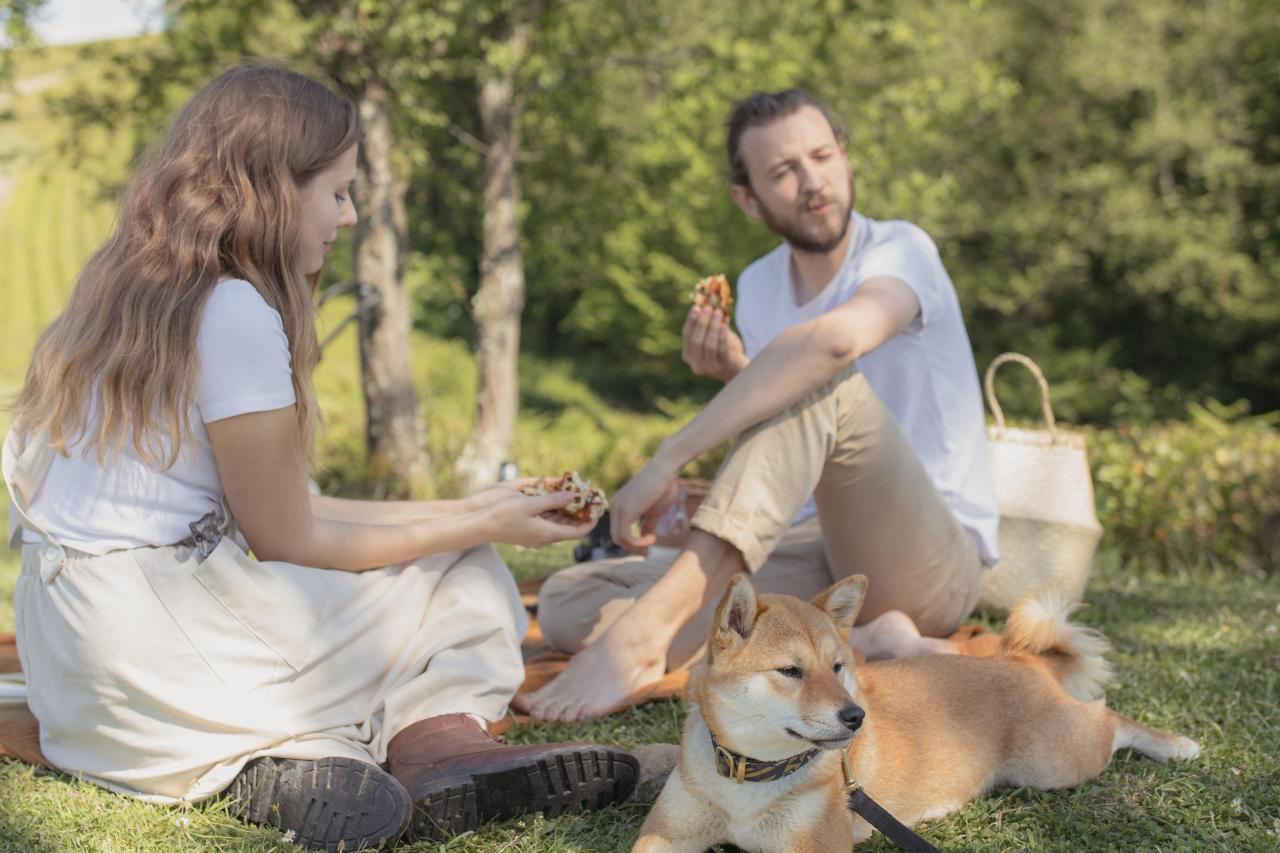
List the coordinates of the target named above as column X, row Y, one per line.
column 1048, row 524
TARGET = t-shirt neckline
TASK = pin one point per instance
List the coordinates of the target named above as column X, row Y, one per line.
column 855, row 223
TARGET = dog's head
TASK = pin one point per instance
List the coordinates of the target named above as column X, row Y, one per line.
column 778, row 677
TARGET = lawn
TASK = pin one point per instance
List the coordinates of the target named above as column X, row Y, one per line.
column 1197, row 652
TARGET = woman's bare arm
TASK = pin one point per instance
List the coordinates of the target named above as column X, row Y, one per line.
column 264, row 477
column 384, row 512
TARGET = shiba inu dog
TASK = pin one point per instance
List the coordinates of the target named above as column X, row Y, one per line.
column 779, row 707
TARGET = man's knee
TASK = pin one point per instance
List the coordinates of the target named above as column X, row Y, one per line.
column 561, row 616
column 578, row 604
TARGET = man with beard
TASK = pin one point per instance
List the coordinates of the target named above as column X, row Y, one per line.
column 853, row 383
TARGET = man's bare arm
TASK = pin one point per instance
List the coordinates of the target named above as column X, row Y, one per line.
column 795, row 363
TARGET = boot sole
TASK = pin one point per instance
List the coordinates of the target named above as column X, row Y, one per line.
column 330, row 804
column 553, row 783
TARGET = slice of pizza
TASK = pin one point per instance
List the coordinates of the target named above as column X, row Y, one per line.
column 588, row 504
column 714, row 291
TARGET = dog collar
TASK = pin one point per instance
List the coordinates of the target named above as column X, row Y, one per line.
column 733, row 765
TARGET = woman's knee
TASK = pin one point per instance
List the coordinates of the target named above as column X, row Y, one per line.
column 482, row 564
column 487, row 558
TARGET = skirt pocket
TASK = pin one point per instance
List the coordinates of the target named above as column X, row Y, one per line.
column 243, row 617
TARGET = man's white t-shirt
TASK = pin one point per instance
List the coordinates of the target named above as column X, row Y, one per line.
column 244, row 367
column 925, row 375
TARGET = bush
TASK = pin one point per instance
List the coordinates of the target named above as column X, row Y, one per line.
column 1206, row 490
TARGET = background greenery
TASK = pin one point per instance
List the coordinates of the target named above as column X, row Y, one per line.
column 1102, row 179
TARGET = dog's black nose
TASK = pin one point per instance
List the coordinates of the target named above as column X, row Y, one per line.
column 851, row 715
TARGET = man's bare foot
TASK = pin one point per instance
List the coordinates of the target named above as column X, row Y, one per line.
column 617, row 664
column 893, row 634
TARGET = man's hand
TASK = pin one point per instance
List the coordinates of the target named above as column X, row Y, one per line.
column 710, row 347
column 643, row 499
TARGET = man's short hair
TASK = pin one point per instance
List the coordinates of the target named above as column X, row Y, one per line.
column 763, row 108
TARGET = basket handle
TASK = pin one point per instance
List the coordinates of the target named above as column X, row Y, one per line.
column 988, row 383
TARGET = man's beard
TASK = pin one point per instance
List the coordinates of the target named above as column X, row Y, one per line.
column 805, row 241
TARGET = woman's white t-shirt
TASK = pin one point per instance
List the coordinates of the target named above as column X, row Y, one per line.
column 244, row 367
column 925, row 375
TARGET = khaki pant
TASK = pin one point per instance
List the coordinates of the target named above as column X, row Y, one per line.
column 878, row 515
column 159, row 673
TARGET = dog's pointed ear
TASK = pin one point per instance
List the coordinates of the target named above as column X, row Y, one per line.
column 842, row 601
column 736, row 613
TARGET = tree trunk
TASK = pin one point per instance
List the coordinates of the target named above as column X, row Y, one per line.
column 394, row 433
column 500, row 299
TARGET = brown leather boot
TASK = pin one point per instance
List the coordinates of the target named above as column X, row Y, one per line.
column 459, row 776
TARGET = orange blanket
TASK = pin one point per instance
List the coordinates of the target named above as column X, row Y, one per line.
column 19, row 731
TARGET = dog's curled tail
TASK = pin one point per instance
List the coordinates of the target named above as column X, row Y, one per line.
column 1042, row 626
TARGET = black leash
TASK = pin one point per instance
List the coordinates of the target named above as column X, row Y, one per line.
column 873, row 813
column 893, row 829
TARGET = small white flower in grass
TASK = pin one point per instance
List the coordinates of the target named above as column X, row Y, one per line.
column 1237, row 806
column 289, row 836
column 182, row 821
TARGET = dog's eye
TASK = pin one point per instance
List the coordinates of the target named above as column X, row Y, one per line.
column 791, row 672
column 839, row 666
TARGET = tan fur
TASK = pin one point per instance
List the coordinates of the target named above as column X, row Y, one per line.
column 939, row 730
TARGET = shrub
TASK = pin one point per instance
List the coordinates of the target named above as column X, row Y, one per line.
column 1206, row 490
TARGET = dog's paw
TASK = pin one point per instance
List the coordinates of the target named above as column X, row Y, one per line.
column 1185, row 749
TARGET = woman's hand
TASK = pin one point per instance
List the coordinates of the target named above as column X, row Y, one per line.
column 529, row 520
column 499, row 491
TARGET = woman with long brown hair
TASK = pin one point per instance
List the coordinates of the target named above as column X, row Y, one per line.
column 164, row 431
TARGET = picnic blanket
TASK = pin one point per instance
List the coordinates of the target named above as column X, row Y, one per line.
column 20, row 732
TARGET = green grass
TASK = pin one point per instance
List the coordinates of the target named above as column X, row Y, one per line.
column 1195, row 652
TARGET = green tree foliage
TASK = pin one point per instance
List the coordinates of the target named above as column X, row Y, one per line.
column 15, row 32
column 1102, row 177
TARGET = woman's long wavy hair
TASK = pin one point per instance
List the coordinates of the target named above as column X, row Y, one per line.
column 216, row 197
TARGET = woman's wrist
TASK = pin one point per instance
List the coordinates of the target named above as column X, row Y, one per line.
column 476, row 526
